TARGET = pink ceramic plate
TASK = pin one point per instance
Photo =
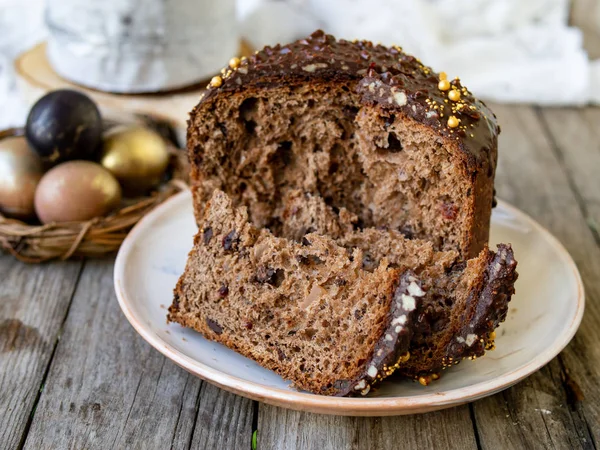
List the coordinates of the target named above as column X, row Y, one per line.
column 542, row 319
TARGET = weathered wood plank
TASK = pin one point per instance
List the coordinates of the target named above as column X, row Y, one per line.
column 543, row 411
column 107, row 388
column 280, row 429
column 575, row 138
column 33, row 304
column 224, row 420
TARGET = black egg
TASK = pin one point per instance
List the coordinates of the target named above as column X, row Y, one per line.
column 64, row 125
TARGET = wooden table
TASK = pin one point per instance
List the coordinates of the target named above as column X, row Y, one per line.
column 74, row 374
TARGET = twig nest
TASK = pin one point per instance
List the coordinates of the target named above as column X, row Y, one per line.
column 20, row 171
column 76, row 191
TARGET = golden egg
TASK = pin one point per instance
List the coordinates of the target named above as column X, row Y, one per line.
column 20, row 171
column 137, row 157
column 76, row 191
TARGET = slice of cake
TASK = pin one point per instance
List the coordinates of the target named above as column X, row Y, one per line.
column 335, row 316
column 366, row 127
column 445, row 332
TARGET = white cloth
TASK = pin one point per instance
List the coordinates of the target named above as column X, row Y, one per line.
column 503, row 50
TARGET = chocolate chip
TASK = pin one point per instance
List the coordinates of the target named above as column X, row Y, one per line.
column 214, row 326
column 340, row 281
column 280, row 354
column 231, row 241
column 359, row 313
column 223, row 291
column 267, row 275
column 248, row 325
column 368, row 263
column 207, row 235
column 407, row 231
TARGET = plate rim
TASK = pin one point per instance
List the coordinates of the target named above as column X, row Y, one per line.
column 355, row 406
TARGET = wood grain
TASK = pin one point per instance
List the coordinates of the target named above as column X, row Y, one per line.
column 223, row 420
column 576, row 144
column 544, row 411
column 281, row 429
column 34, row 301
column 107, row 388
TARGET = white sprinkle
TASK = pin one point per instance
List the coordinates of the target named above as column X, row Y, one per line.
column 380, row 352
column 388, row 337
column 243, row 70
column 399, row 320
column 345, row 67
column 430, row 114
column 471, row 338
column 372, row 372
column 398, row 329
column 414, row 108
column 411, row 278
column 293, row 66
column 400, row 98
column 372, row 87
column 415, row 290
column 360, row 385
column 460, row 339
column 365, row 391
column 381, row 92
column 408, row 302
column 238, row 80
column 313, row 67
column 390, row 99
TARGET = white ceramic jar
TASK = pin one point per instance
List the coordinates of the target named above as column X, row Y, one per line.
column 133, row 46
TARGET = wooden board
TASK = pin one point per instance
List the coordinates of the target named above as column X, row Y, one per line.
column 107, row 388
column 35, row 77
column 34, row 302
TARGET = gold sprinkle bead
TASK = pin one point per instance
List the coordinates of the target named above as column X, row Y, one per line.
column 424, row 381
column 493, row 335
column 216, row 81
column 234, row 62
column 443, row 76
column 444, row 85
column 454, row 95
column 453, row 122
column 435, row 376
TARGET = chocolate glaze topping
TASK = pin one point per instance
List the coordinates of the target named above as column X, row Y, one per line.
column 488, row 309
column 382, row 76
column 392, row 349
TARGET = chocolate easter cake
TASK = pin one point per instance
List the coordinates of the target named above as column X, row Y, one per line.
column 331, row 180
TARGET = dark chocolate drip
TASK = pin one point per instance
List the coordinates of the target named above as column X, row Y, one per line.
column 487, row 309
column 392, row 348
